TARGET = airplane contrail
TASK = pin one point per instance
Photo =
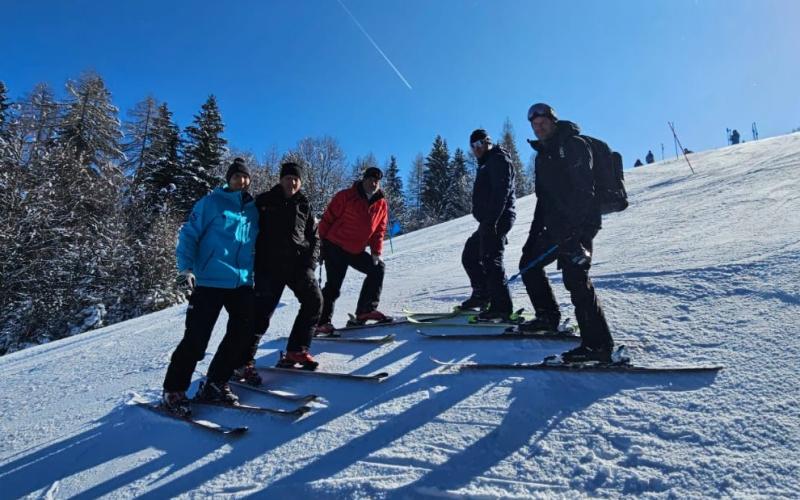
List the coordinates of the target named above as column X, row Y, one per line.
column 374, row 44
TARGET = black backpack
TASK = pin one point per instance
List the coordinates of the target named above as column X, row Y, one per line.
column 609, row 180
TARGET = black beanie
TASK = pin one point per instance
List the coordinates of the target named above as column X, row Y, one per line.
column 291, row 168
column 237, row 166
column 373, row 172
column 479, row 134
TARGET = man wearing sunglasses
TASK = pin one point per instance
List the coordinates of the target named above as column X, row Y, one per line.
column 567, row 216
column 493, row 207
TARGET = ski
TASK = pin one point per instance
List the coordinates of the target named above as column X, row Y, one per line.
column 502, row 336
column 197, row 422
column 580, row 367
column 377, row 377
column 435, row 323
column 370, row 325
column 307, row 398
column 432, row 316
column 296, row 412
column 358, row 340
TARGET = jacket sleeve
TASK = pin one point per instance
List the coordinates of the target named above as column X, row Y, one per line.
column 191, row 233
column 578, row 204
column 332, row 213
column 500, row 175
column 312, row 237
column 376, row 240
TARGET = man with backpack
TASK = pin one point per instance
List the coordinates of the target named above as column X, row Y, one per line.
column 566, row 219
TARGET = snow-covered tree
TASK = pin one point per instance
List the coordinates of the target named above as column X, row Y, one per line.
column 140, row 133
column 325, row 169
column 508, row 142
column 90, row 127
column 460, row 195
column 393, row 190
column 436, row 182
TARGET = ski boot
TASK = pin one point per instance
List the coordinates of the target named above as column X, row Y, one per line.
column 177, row 403
column 324, row 329
column 362, row 318
column 248, row 374
column 585, row 353
column 216, row 392
column 539, row 324
column 474, row 303
column 303, row 358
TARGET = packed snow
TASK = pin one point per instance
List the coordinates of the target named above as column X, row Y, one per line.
column 701, row 269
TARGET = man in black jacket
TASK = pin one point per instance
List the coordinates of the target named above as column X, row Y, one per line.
column 287, row 249
column 566, row 215
column 493, row 207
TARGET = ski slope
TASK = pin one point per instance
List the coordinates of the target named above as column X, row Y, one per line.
column 701, row 268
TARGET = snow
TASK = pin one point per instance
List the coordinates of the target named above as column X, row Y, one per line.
column 702, row 268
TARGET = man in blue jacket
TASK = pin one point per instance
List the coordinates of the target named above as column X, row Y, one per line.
column 215, row 254
column 493, row 207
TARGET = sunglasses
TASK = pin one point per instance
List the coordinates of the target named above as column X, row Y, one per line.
column 478, row 143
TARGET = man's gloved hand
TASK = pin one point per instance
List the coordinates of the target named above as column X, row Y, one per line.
column 376, row 259
column 188, row 275
column 577, row 255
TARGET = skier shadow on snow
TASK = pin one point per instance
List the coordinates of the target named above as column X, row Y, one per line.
column 539, row 402
column 114, row 436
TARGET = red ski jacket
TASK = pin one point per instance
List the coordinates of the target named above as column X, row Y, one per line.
column 352, row 222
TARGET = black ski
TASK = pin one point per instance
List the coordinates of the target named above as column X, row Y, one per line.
column 501, row 336
column 377, row 377
column 277, row 394
column 357, row 340
column 296, row 412
column 195, row 421
column 370, row 325
column 580, row 367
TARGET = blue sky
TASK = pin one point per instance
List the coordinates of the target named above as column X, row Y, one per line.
column 283, row 70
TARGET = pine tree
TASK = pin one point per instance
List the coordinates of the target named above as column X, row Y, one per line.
column 414, row 193
column 204, row 150
column 508, row 142
column 39, row 117
column 4, row 105
column 140, row 133
column 393, row 190
column 436, row 182
column 460, row 195
column 90, row 127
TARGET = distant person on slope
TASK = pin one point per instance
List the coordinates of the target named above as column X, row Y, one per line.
column 215, row 255
column 638, row 163
column 735, row 137
column 566, row 215
column 287, row 249
column 356, row 217
column 649, row 158
column 493, row 207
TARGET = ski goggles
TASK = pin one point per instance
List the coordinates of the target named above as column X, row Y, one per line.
column 478, row 143
column 540, row 109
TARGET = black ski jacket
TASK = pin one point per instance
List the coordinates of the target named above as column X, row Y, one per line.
column 287, row 231
column 565, row 201
column 493, row 192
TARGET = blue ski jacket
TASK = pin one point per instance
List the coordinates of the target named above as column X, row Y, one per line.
column 218, row 241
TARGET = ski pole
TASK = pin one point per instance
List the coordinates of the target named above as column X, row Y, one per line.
column 530, row 265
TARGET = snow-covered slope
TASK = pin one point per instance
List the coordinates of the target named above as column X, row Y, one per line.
column 701, row 268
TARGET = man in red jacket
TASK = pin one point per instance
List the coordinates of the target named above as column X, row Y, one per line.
column 356, row 217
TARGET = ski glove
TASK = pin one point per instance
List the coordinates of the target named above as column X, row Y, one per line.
column 188, row 275
column 376, row 259
column 578, row 256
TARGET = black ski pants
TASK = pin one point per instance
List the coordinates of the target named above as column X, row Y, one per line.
column 269, row 288
column 482, row 259
column 202, row 312
column 337, row 260
column 588, row 311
